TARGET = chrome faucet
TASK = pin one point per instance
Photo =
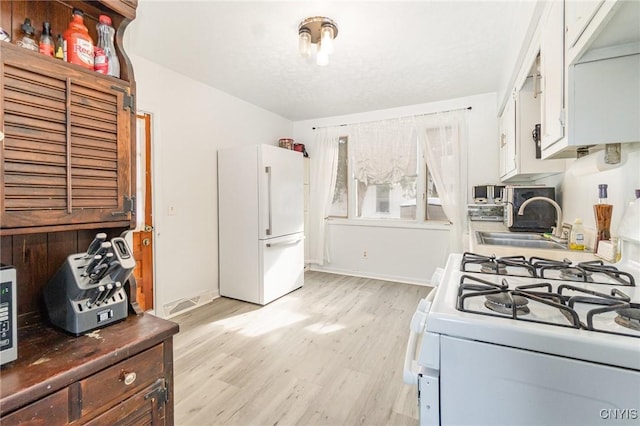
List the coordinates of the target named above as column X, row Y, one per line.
column 557, row 231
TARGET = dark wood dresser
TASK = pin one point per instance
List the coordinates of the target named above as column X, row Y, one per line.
column 118, row 375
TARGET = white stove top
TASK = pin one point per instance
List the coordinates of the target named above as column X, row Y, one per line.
column 563, row 340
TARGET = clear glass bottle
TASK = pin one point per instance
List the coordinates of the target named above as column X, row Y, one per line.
column 106, row 34
column 27, row 41
column 602, row 212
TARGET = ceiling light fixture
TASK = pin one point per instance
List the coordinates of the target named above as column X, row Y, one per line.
column 320, row 31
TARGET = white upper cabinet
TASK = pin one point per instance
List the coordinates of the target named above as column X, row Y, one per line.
column 602, row 76
column 605, row 99
column 552, row 70
column 589, row 80
column 508, row 139
column 519, row 159
column 577, row 15
column 607, row 24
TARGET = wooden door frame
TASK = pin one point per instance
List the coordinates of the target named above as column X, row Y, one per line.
column 148, row 287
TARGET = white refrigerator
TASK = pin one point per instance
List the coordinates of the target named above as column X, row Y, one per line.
column 260, row 222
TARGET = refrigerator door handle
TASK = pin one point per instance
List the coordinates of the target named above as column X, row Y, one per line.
column 283, row 243
column 267, row 170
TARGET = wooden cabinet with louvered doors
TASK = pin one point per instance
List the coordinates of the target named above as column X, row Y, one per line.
column 66, row 157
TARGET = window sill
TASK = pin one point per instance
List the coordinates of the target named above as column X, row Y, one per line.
column 391, row 223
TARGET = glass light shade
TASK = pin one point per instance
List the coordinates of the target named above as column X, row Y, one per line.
column 304, row 43
column 327, row 36
column 322, row 58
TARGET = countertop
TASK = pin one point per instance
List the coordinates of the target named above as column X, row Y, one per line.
column 475, row 247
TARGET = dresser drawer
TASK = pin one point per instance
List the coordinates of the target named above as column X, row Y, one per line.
column 52, row 410
column 122, row 380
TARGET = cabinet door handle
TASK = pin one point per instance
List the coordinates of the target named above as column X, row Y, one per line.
column 128, row 378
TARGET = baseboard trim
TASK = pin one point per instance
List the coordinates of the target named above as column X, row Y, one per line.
column 403, row 280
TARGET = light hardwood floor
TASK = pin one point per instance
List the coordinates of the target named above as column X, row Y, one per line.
column 330, row 353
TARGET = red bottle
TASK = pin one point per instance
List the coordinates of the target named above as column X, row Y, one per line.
column 46, row 42
column 101, row 62
column 78, row 45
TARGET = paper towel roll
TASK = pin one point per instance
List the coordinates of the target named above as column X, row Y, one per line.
column 629, row 228
column 594, row 163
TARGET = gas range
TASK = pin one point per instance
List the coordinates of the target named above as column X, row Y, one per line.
column 530, row 332
column 525, row 303
column 590, row 295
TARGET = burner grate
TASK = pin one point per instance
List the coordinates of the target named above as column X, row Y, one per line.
column 595, row 272
column 513, row 301
column 598, row 266
column 629, row 317
column 510, row 265
column 606, row 303
column 501, row 301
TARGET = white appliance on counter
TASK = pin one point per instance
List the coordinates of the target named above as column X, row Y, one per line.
column 515, row 341
column 261, row 222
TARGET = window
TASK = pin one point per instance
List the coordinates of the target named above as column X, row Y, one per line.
column 393, row 201
column 339, row 207
column 382, row 198
column 355, row 199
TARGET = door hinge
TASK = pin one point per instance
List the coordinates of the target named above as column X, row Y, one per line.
column 160, row 392
column 128, row 100
column 129, row 206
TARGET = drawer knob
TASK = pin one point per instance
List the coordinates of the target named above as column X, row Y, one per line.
column 128, row 378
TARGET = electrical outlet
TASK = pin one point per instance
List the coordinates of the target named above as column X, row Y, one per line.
column 365, row 254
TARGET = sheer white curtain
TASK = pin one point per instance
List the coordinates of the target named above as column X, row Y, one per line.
column 322, row 176
column 444, row 139
column 383, row 151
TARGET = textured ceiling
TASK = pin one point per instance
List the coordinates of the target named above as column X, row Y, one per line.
column 387, row 54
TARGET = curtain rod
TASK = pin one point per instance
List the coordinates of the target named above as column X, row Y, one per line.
column 406, row 116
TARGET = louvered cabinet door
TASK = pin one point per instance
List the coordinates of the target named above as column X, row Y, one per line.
column 66, row 156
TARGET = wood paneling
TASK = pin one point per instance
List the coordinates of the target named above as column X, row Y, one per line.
column 37, row 257
column 5, row 16
column 30, row 260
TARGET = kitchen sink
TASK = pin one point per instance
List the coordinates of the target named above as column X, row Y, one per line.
column 511, row 235
column 520, row 239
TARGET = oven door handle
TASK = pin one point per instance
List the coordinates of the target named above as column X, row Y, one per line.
column 418, row 321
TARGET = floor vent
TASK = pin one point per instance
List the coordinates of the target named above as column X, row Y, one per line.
column 174, row 308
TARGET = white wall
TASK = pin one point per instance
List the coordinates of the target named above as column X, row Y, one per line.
column 396, row 253
column 191, row 121
column 579, row 192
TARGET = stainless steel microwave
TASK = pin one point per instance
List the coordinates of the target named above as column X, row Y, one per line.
column 538, row 216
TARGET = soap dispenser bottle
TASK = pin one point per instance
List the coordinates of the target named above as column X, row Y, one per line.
column 576, row 239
